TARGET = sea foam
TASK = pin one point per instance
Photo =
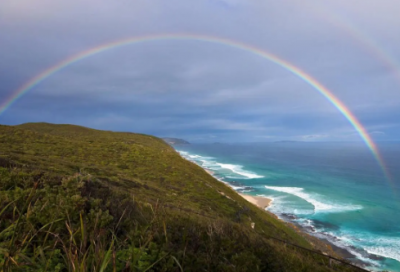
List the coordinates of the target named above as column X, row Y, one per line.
column 388, row 247
column 318, row 205
column 237, row 171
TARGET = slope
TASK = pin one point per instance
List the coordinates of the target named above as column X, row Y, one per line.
column 79, row 199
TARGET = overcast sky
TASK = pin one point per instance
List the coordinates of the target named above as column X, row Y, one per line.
column 202, row 91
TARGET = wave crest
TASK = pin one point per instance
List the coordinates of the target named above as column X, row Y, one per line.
column 318, row 205
column 235, row 171
column 238, row 169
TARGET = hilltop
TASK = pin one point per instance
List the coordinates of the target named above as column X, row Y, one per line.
column 79, row 199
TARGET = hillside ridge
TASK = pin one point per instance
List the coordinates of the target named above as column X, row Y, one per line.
column 77, row 197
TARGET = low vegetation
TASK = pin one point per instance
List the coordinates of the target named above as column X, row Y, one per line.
column 78, row 199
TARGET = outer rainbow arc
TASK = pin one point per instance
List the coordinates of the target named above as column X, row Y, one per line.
column 355, row 33
column 284, row 64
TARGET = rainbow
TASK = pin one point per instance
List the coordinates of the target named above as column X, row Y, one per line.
column 238, row 45
column 369, row 45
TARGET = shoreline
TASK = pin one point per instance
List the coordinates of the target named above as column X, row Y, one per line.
column 323, row 245
column 319, row 244
column 259, row 201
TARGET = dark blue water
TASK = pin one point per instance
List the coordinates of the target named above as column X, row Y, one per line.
column 336, row 191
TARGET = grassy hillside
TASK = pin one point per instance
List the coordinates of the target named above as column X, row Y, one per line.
column 79, row 199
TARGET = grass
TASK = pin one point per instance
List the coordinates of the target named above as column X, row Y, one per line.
column 79, row 199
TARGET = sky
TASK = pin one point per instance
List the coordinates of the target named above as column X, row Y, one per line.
column 202, row 91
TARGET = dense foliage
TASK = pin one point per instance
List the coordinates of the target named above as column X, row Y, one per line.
column 78, row 199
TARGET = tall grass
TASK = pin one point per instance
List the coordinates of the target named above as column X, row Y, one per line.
column 75, row 199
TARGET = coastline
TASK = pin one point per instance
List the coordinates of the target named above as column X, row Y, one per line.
column 319, row 244
column 259, row 201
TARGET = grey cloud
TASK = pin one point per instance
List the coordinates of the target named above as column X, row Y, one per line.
column 196, row 88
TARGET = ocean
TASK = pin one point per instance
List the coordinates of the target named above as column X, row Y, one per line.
column 335, row 191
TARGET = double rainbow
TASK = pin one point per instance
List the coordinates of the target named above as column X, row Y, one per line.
column 238, row 45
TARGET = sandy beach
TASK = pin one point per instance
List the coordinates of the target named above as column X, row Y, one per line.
column 259, row 201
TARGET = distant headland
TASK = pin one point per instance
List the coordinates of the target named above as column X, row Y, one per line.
column 175, row 141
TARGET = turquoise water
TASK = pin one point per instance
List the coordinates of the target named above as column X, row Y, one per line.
column 336, row 191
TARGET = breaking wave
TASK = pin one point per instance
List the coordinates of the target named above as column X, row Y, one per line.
column 232, row 171
column 319, row 206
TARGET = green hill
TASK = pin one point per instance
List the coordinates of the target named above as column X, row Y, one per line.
column 79, row 199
